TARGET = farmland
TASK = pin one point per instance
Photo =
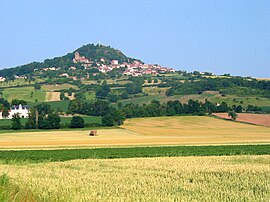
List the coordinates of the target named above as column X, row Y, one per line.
column 258, row 119
column 64, row 120
column 231, row 178
column 178, row 130
column 24, row 93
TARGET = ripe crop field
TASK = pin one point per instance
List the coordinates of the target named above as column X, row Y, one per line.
column 230, row 178
column 52, row 96
column 192, row 130
column 197, row 129
column 259, row 119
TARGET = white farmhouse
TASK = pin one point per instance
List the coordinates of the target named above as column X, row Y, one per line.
column 23, row 112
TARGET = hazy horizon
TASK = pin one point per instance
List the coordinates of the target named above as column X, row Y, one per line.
column 213, row 36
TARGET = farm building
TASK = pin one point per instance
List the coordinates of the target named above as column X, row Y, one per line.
column 22, row 110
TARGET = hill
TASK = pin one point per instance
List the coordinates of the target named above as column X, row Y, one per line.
column 90, row 51
column 102, row 72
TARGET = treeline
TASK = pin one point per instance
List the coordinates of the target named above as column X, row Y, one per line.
column 110, row 115
column 171, row 108
column 116, row 116
column 238, row 84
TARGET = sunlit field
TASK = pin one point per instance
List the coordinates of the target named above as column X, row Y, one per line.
column 147, row 131
column 234, row 178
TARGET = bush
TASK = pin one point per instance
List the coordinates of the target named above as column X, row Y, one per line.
column 77, row 122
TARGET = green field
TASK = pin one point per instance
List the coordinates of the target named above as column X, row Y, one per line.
column 164, row 98
column 244, row 101
column 18, row 82
column 55, row 105
column 28, row 94
column 64, row 120
column 37, row 156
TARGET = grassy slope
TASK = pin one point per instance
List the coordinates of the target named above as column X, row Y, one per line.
column 24, row 93
column 55, row 105
column 235, row 100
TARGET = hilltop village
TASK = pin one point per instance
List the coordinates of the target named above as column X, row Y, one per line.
column 136, row 68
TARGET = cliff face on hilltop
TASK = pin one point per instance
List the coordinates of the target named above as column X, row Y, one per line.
column 89, row 51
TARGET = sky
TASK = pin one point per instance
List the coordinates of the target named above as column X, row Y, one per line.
column 219, row 36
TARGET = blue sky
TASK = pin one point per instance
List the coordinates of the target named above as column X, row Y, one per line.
column 220, row 36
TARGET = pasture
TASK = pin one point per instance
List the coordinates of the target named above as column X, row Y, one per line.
column 226, row 178
column 5, row 123
column 58, row 87
column 154, row 95
column 179, row 130
column 243, row 101
column 28, row 94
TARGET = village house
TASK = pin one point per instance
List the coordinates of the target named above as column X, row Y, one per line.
column 21, row 110
column 114, row 62
column 64, row 75
column 72, row 68
column 2, row 78
column 80, row 59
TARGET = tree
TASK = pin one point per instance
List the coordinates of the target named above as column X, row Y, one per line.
column 5, row 112
column 233, row 115
column 53, row 121
column 16, row 122
column 103, row 90
column 112, row 98
column 18, row 102
column 37, row 87
column 77, row 122
column 107, row 120
column 119, row 117
column 63, row 96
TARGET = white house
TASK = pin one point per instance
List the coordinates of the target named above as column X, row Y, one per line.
column 2, row 78
column 23, row 112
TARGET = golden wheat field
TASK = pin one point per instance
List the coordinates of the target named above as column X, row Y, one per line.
column 146, row 131
column 232, row 178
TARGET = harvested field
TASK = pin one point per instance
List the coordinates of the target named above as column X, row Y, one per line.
column 258, row 119
column 181, row 130
column 52, row 96
column 230, row 178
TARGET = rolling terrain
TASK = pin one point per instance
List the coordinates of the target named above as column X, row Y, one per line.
column 179, row 130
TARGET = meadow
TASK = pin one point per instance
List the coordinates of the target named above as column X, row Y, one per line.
column 243, row 101
column 226, row 178
column 64, row 120
column 177, row 130
column 28, row 94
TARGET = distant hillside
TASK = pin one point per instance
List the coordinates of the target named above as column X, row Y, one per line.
column 91, row 51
